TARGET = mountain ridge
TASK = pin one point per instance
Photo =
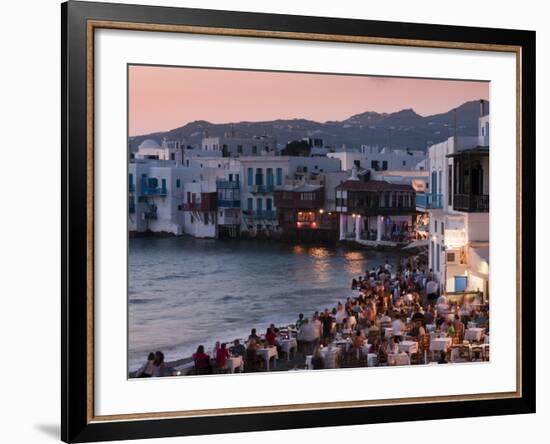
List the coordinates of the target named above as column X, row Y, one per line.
column 400, row 129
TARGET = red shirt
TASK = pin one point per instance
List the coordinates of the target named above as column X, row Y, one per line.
column 201, row 359
column 221, row 356
column 270, row 337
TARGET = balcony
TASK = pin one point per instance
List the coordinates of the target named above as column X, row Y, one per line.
column 198, row 206
column 208, row 202
column 262, row 189
column 227, row 184
column 261, row 214
column 229, row 203
column 471, row 203
column 146, row 191
column 429, row 201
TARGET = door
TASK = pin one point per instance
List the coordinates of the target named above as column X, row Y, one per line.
column 461, row 283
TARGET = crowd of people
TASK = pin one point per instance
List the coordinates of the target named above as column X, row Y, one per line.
column 405, row 300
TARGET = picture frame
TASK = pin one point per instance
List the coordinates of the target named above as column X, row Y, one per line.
column 80, row 20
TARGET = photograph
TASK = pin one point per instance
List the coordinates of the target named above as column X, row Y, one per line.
column 295, row 221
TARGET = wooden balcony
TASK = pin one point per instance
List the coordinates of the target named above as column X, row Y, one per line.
column 471, row 203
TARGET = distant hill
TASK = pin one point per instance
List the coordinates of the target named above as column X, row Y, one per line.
column 401, row 129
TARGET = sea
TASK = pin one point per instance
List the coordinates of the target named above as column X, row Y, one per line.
column 184, row 292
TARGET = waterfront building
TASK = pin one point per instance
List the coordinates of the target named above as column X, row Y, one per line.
column 231, row 145
column 301, row 209
column 457, row 201
column 155, row 191
column 200, row 209
column 259, row 178
column 375, row 211
column 229, row 202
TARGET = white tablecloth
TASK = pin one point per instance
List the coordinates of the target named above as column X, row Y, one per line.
column 408, row 347
column 474, row 334
column 430, row 327
column 287, row 345
column 235, row 362
column 399, row 359
column 440, row 344
column 267, row 354
column 330, row 355
column 372, row 360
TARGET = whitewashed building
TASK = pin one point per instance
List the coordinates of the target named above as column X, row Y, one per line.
column 379, row 159
column 231, row 145
column 155, row 193
column 259, row 178
column 457, row 201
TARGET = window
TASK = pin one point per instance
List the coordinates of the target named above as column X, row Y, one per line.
column 450, row 185
column 249, row 204
column 404, row 163
column 250, row 173
column 269, row 204
column 259, row 204
column 374, row 165
column 130, row 181
column 384, row 164
column 178, row 183
column 279, row 176
column 239, row 149
column 259, row 176
column 439, row 182
column 164, row 184
column 192, row 219
column 437, row 250
column 269, row 174
column 442, row 228
column 236, row 178
column 254, row 149
column 435, row 224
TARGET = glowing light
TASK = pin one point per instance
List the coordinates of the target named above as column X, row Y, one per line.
column 321, row 211
column 313, row 224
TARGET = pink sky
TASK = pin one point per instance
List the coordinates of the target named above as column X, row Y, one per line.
column 163, row 98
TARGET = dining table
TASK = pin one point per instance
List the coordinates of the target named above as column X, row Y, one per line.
column 235, row 363
column 474, row 334
column 267, row 353
column 288, row 346
column 409, row 347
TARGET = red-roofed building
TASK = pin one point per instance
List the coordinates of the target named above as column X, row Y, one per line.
column 375, row 209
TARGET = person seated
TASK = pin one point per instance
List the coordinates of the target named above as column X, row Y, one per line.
column 146, row 371
column 252, row 360
column 317, row 361
column 221, row 357
column 358, row 343
column 253, row 335
column 202, row 361
column 418, row 331
column 482, row 321
column 238, row 349
column 398, row 328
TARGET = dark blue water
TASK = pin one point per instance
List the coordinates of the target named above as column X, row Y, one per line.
column 184, row 292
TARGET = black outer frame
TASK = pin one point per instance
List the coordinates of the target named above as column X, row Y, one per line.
column 74, row 424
